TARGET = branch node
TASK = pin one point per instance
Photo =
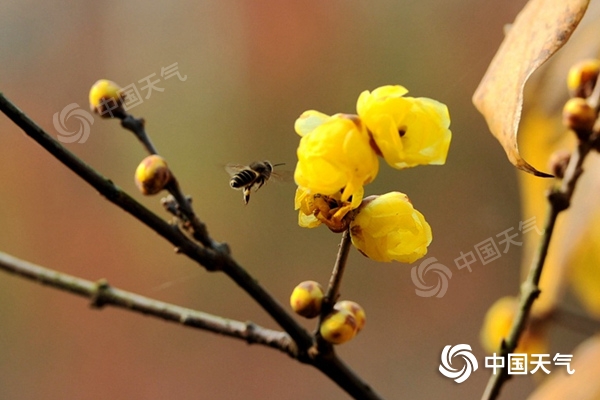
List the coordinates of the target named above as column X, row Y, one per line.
column 250, row 332
column 99, row 295
column 559, row 200
column 183, row 319
column 223, row 248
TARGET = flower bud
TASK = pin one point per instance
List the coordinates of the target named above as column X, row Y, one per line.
column 497, row 324
column 106, row 99
column 579, row 116
column 152, row 175
column 355, row 309
column 306, row 299
column 558, row 163
column 338, row 327
column 582, row 78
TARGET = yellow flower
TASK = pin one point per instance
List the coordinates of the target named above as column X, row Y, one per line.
column 497, row 324
column 309, row 121
column 387, row 228
column 106, row 98
column 335, row 156
column 304, row 202
column 408, row 131
column 315, row 209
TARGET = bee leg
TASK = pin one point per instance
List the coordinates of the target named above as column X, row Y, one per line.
column 246, row 195
column 262, row 182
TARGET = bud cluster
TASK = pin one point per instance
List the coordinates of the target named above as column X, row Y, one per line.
column 339, row 326
column 580, row 112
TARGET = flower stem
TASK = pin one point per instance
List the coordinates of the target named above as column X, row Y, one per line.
column 333, row 289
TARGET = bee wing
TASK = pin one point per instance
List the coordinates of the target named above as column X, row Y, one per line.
column 233, row 169
column 282, row 176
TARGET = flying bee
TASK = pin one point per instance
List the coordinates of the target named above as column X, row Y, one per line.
column 246, row 177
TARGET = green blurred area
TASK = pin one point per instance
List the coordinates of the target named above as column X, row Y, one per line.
column 252, row 68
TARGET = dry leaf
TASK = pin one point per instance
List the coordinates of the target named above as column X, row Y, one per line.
column 540, row 29
column 541, row 133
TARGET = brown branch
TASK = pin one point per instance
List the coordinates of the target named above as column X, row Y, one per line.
column 333, row 290
column 217, row 258
column 102, row 294
column 559, row 199
column 198, row 228
column 137, row 127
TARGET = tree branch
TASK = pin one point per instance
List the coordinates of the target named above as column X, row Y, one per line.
column 212, row 258
column 102, row 294
column 209, row 258
column 559, row 199
column 199, row 230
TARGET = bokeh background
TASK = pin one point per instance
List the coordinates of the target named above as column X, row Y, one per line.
column 252, row 67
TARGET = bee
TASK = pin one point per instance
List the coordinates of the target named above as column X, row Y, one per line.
column 246, row 177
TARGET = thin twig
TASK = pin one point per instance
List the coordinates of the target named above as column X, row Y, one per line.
column 559, row 200
column 198, row 229
column 102, row 294
column 137, row 126
column 333, row 289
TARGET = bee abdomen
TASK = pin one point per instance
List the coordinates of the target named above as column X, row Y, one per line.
column 242, row 179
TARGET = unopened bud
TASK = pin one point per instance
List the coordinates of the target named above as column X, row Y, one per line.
column 582, row 78
column 152, row 175
column 338, row 327
column 355, row 309
column 106, row 99
column 307, row 298
column 579, row 116
column 559, row 160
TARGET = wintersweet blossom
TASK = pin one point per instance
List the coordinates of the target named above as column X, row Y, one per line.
column 316, row 209
column 387, row 228
column 407, row 131
column 334, row 156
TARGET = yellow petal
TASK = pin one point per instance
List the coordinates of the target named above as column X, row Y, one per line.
column 309, row 121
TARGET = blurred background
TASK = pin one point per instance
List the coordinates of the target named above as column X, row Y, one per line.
column 250, row 69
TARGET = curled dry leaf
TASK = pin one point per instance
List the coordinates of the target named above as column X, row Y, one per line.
column 571, row 257
column 541, row 28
